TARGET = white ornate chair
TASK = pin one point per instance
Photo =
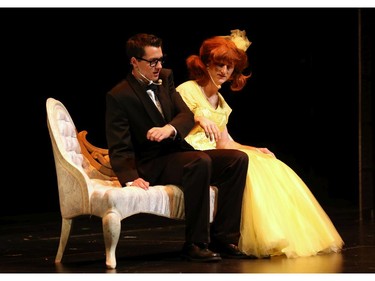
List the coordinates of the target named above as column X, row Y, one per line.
column 88, row 186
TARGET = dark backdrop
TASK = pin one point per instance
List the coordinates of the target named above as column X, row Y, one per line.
column 301, row 101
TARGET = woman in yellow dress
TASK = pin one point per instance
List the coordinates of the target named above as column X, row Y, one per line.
column 280, row 215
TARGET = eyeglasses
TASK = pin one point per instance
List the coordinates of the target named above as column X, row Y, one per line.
column 153, row 62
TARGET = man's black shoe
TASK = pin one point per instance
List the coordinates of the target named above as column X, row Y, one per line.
column 199, row 253
column 230, row 251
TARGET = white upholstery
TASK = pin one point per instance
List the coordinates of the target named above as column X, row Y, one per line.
column 83, row 190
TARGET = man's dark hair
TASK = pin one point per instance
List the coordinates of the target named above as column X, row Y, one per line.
column 135, row 46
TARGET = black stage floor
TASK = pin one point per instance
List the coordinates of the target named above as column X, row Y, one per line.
column 151, row 244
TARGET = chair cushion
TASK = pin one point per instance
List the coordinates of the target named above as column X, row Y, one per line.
column 159, row 200
column 162, row 200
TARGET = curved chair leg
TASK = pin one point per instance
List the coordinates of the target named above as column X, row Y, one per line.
column 111, row 231
column 66, row 227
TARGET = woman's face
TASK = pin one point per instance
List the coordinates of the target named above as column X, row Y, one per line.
column 220, row 72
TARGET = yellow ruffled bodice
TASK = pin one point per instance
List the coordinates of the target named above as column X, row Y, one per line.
column 193, row 96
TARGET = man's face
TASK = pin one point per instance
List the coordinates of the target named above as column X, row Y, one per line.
column 151, row 63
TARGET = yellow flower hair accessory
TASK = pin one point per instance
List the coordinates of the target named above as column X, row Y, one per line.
column 239, row 38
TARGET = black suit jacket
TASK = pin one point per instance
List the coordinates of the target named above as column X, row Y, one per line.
column 130, row 113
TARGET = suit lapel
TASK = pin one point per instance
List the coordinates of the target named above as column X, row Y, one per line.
column 165, row 103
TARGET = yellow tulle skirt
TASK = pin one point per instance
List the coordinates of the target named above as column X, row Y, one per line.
column 280, row 215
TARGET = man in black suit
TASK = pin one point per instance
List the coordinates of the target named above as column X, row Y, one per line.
column 146, row 123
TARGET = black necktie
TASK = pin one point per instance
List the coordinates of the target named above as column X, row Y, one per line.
column 152, row 87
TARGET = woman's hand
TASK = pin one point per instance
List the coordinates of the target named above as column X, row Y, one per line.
column 210, row 128
column 265, row 150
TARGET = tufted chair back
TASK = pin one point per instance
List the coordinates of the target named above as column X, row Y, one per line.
column 74, row 192
column 75, row 175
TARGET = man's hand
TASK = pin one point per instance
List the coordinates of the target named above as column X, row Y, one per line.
column 160, row 133
column 139, row 182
